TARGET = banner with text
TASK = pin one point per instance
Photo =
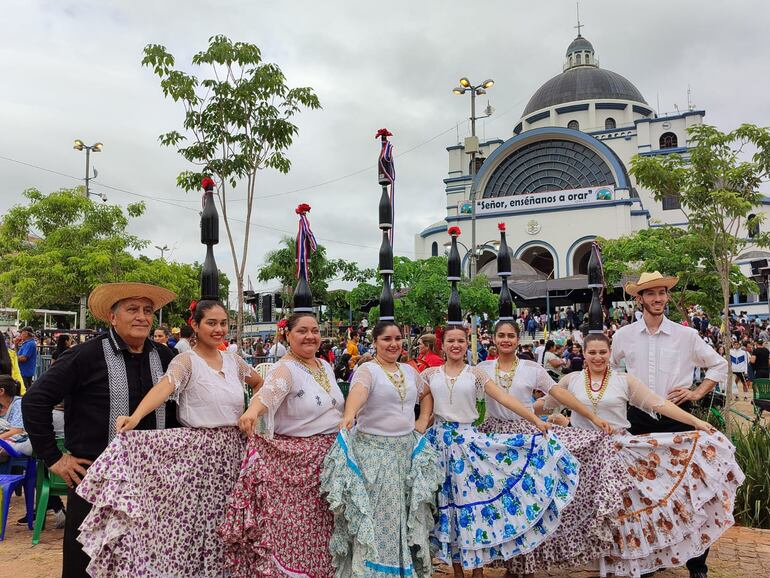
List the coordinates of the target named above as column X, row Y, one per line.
column 549, row 200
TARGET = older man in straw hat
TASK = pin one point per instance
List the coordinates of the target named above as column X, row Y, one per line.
column 664, row 355
column 99, row 380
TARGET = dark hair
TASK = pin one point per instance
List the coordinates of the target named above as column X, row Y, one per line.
column 61, row 345
column 549, row 345
column 596, row 337
column 186, row 331
column 380, row 328
column 165, row 330
column 9, row 385
column 429, row 340
column 202, row 307
column 6, row 366
column 292, row 321
column 510, row 322
column 29, row 330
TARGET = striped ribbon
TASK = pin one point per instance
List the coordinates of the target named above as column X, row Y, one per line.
column 306, row 244
column 387, row 168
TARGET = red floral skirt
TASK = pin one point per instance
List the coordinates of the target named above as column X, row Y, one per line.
column 277, row 523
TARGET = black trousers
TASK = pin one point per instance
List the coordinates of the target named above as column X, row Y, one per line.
column 642, row 423
column 74, row 561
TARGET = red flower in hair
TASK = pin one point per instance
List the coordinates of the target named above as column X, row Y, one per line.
column 281, row 324
column 207, row 183
column 191, row 308
column 454, row 231
column 302, row 209
column 501, row 226
column 383, row 132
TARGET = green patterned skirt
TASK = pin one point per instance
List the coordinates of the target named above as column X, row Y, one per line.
column 382, row 493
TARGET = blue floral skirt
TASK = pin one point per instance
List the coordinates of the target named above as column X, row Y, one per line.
column 502, row 495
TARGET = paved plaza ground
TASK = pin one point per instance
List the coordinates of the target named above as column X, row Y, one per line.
column 740, row 553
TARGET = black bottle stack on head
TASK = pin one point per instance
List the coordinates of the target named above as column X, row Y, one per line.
column 386, row 247
column 454, row 313
column 504, row 271
column 596, row 285
column 209, row 237
column 302, row 299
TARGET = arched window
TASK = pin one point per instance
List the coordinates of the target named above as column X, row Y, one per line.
column 579, row 58
column 574, row 125
column 610, row 123
column 434, row 249
column 668, row 140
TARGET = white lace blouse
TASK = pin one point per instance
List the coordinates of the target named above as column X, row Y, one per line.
column 456, row 402
column 208, row 398
column 528, row 376
column 384, row 413
column 612, row 405
column 296, row 403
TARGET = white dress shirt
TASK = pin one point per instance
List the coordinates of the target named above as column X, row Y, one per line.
column 666, row 359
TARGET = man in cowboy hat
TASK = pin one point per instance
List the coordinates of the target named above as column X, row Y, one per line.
column 98, row 381
column 664, row 355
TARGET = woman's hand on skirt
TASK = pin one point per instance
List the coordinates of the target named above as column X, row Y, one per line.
column 602, row 424
column 248, row 421
column 705, row 426
column 125, row 423
column 542, row 426
column 420, row 426
column 347, row 422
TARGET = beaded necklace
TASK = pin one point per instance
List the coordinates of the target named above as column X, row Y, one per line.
column 450, row 381
column 318, row 373
column 505, row 378
column 589, row 386
column 397, row 378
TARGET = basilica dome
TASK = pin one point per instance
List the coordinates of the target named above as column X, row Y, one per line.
column 582, row 79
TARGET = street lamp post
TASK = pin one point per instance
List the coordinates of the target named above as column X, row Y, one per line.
column 472, row 147
column 79, row 145
column 96, row 147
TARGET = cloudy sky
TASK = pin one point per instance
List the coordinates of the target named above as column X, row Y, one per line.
column 72, row 70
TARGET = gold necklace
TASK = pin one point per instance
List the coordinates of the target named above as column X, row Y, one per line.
column 590, row 391
column 505, row 379
column 397, row 378
column 450, row 382
column 317, row 373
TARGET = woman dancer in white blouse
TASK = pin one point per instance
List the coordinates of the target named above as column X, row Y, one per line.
column 682, row 485
column 388, row 458
column 584, row 533
column 502, row 495
column 159, row 496
column 277, row 520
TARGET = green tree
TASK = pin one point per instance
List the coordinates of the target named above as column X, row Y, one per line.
column 58, row 247
column 237, row 122
column 717, row 185
column 650, row 250
column 280, row 264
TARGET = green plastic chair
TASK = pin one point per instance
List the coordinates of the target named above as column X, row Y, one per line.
column 48, row 484
column 344, row 388
column 761, row 387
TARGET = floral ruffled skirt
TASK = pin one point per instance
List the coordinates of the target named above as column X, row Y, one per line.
column 277, row 523
column 681, row 501
column 158, row 498
column 382, row 492
column 502, row 495
column 585, row 530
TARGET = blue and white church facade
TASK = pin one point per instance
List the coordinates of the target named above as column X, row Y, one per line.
column 562, row 179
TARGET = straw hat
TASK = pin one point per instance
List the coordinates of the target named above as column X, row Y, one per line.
column 104, row 296
column 648, row 281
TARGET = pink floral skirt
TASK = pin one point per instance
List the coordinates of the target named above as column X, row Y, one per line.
column 277, row 523
column 158, row 498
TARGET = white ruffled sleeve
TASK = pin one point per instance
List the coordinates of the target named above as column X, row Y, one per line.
column 550, row 404
column 426, row 376
column 277, row 386
column 544, row 381
column 642, row 397
column 178, row 373
column 244, row 369
column 363, row 377
column 481, row 378
column 413, row 376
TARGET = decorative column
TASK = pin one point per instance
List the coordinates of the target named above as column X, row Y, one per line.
column 386, row 178
column 596, row 285
column 454, row 312
column 209, row 237
column 504, row 271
